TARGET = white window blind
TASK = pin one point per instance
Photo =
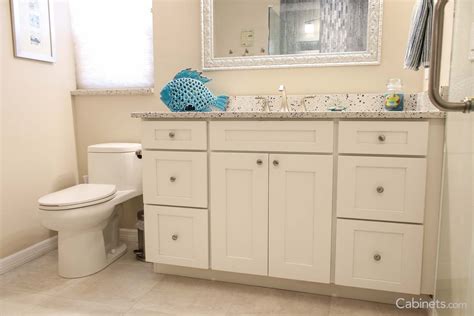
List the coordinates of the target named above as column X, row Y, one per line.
column 113, row 42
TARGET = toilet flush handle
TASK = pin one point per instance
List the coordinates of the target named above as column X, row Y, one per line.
column 138, row 153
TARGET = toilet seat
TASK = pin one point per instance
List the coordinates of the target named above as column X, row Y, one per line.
column 78, row 196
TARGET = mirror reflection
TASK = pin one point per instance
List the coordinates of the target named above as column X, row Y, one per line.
column 287, row 27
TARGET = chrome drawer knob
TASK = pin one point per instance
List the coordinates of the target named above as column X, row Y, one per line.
column 377, row 257
column 276, row 163
column 171, row 134
column 174, row 237
column 380, row 189
column 172, row 179
column 259, row 162
column 382, row 138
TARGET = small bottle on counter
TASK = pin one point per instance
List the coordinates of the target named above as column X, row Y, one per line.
column 393, row 100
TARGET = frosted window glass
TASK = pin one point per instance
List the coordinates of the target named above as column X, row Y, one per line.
column 113, row 42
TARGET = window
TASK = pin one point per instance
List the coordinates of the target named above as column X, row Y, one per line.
column 113, row 42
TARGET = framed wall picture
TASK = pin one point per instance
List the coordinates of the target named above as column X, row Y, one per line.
column 33, row 30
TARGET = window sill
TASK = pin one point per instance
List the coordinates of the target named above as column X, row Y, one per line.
column 113, row 92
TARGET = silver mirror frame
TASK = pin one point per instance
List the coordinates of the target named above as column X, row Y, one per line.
column 370, row 57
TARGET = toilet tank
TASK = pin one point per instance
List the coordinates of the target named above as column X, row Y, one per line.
column 115, row 163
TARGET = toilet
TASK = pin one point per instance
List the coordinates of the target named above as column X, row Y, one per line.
column 85, row 215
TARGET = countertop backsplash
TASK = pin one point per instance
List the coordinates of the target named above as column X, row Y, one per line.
column 353, row 102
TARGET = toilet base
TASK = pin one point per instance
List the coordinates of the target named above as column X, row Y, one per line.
column 83, row 254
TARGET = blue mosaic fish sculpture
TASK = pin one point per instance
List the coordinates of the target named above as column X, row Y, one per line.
column 187, row 92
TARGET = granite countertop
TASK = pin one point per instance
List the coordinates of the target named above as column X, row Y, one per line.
column 358, row 106
column 289, row 115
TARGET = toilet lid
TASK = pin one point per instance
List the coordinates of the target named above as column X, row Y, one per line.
column 78, row 194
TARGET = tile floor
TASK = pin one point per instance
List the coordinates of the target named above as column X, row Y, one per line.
column 129, row 287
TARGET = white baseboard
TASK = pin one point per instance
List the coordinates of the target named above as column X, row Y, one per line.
column 128, row 235
column 26, row 255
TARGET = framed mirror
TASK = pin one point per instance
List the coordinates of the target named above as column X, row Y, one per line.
column 260, row 34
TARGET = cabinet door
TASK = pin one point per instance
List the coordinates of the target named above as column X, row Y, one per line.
column 239, row 212
column 300, row 217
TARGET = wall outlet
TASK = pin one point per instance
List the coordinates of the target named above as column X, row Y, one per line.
column 247, row 38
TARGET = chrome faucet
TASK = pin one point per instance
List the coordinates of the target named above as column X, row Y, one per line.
column 284, row 99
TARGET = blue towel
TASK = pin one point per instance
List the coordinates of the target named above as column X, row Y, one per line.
column 419, row 40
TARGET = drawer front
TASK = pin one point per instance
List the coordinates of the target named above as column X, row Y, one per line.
column 284, row 136
column 380, row 256
column 177, row 236
column 381, row 188
column 188, row 135
column 175, row 178
column 383, row 138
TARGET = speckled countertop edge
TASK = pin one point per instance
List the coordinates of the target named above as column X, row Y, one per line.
column 113, row 92
column 289, row 115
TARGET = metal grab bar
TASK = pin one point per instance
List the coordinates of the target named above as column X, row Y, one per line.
column 435, row 72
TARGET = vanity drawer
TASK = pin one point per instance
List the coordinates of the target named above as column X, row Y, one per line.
column 282, row 136
column 381, row 188
column 379, row 256
column 177, row 236
column 383, row 137
column 175, row 178
column 188, row 135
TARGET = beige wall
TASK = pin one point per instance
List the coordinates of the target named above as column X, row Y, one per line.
column 38, row 149
column 178, row 45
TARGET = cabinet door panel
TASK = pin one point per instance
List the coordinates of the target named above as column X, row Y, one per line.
column 239, row 212
column 300, row 217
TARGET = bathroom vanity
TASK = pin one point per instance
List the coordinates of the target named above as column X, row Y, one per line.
column 323, row 202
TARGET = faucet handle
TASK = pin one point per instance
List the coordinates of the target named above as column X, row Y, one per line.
column 265, row 106
column 303, row 101
column 281, row 88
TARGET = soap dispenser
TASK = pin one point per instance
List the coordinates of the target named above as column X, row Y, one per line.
column 394, row 97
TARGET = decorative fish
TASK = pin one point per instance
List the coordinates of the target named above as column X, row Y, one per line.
column 187, row 92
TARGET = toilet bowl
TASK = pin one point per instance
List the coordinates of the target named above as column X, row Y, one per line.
column 85, row 215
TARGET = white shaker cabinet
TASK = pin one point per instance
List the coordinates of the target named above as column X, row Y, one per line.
column 239, row 215
column 347, row 202
column 280, row 204
column 300, row 217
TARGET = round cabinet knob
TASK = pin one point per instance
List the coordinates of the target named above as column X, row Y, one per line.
column 380, row 189
column 377, row 257
column 259, row 162
column 174, row 237
column 172, row 179
column 382, row 138
column 276, row 163
column 171, row 134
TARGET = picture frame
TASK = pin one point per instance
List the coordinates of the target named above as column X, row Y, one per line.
column 33, row 29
